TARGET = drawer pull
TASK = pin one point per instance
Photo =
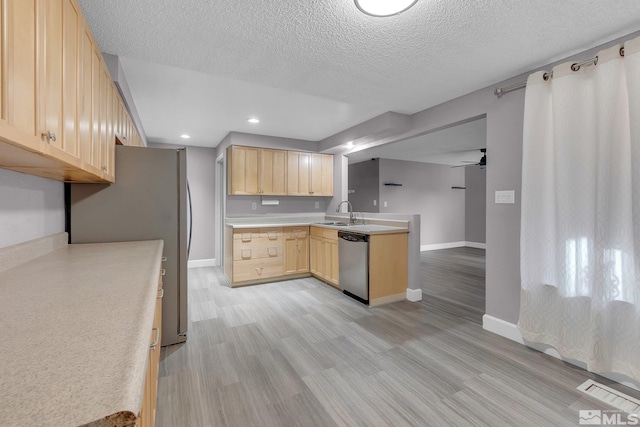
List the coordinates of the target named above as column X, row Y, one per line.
column 272, row 235
column 273, row 251
column 163, row 271
column 245, row 253
column 164, row 258
column 154, row 344
column 259, row 270
column 161, row 294
column 246, row 237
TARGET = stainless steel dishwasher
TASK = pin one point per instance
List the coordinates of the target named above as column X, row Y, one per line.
column 353, row 253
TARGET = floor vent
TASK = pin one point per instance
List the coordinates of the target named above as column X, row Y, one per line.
column 610, row 396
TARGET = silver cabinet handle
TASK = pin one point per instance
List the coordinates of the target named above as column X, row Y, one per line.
column 161, row 294
column 163, row 271
column 164, row 258
column 154, row 344
column 49, row 135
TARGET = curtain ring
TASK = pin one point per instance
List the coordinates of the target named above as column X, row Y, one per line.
column 547, row 76
column 622, row 51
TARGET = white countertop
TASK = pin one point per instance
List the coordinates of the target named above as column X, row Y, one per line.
column 76, row 325
column 371, row 226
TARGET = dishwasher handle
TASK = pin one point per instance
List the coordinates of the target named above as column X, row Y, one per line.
column 353, row 237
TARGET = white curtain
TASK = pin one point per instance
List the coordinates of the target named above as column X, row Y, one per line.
column 580, row 235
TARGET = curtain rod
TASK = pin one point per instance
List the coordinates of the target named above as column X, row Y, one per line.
column 499, row 91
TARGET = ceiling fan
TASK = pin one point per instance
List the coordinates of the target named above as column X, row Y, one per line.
column 482, row 163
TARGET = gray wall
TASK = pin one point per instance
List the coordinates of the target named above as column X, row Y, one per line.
column 504, row 148
column 201, row 175
column 364, row 188
column 426, row 190
column 475, row 204
column 30, row 207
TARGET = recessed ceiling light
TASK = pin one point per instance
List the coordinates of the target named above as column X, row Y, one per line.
column 384, row 7
column 350, row 144
column 253, row 120
column 185, row 136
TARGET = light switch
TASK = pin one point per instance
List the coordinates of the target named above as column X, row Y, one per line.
column 507, row 196
column 375, row 203
column 317, row 205
column 254, row 206
column 385, row 204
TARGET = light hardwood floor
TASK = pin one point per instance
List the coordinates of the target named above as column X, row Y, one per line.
column 299, row 353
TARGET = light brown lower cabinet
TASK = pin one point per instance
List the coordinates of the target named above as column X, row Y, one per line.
column 323, row 254
column 296, row 250
column 147, row 416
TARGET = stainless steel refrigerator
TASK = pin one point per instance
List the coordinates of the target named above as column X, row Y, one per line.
column 147, row 201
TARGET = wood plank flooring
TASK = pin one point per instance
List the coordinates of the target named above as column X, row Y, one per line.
column 300, row 353
column 454, row 281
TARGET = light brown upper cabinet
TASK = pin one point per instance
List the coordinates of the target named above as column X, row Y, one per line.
column 299, row 173
column 56, row 94
column 321, row 174
column 310, row 174
column 272, row 172
column 268, row 172
column 257, row 171
column 58, row 76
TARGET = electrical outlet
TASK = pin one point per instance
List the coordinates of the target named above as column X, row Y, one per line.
column 507, row 196
column 375, row 203
column 317, row 205
column 385, row 204
column 254, row 206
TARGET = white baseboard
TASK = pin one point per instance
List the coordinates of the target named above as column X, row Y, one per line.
column 502, row 328
column 449, row 245
column 475, row 245
column 437, row 246
column 414, row 295
column 511, row 331
column 202, row 263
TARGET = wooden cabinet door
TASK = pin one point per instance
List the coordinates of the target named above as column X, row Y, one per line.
column 322, row 175
column 85, row 101
column 273, row 172
column 296, row 253
column 243, row 170
column 316, row 256
column 331, row 273
column 19, row 71
column 290, row 255
column 60, row 31
column 298, row 173
column 109, row 146
column 303, row 253
column 104, row 105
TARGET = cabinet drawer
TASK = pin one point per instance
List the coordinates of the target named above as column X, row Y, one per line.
column 257, row 248
column 296, row 232
column 250, row 234
column 330, row 234
column 255, row 269
column 327, row 233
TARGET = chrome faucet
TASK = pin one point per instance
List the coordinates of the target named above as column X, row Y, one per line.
column 350, row 210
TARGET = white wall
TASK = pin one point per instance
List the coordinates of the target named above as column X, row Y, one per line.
column 30, row 207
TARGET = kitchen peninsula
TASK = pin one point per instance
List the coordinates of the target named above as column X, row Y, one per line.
column 81, row 330
column 267, row 249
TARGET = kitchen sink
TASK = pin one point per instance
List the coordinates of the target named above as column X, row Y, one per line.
column 335, row 223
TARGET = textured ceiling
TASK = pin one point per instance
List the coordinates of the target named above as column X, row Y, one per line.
column 328, row 50
column 455, row 146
